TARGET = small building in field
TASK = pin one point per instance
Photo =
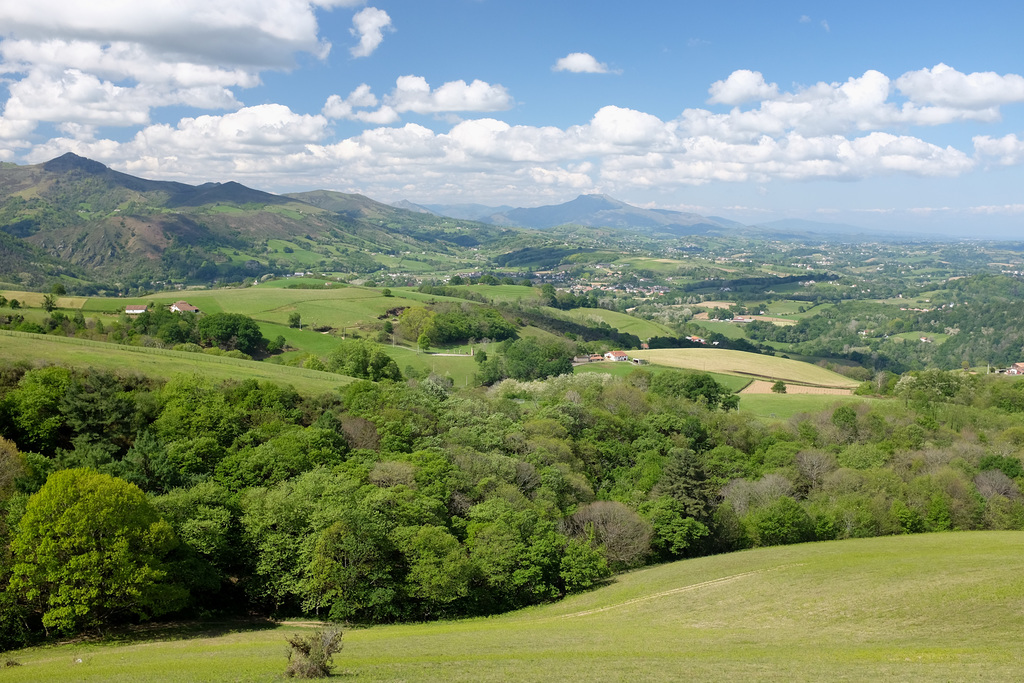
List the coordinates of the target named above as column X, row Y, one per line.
column 595, row 357
column 579, row 360
column 135, row 309
column 183, row 307
column 1016, row 369
column 617, row 355
column 644, row 346
column 640, row 361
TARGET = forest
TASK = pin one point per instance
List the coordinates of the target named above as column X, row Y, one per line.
column 128, row 498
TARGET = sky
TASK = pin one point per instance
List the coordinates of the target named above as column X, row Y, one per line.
column 901, row 116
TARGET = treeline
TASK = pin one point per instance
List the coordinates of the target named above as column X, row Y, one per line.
column 410, row 500
column 156, row 326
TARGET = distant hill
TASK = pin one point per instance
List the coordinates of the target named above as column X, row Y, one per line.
column 75, row 216
column 594, row 210
column 798, row 226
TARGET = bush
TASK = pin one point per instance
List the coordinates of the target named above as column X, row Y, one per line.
column 312, row 656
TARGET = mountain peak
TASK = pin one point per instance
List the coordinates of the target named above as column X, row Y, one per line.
column 72, row 162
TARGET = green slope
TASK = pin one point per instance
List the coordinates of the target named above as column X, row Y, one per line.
column 937, row 607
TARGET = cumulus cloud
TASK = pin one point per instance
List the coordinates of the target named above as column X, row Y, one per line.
column 946, row 87
column 112, row 63
column 369, row 25
column 413, row 93
column 742, row 86
column 580, row 63
column 846, row 130
column 1005, row 151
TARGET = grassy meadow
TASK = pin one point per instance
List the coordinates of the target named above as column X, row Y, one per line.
column 35, row 348
column 731, row 362
column 645, row 329
column 930, row 607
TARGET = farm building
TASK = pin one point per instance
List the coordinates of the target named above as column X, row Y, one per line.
column 135, row 309
column 617, row 355
column 183, row 307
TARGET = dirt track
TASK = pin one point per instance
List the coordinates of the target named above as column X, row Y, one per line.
column 761, row 387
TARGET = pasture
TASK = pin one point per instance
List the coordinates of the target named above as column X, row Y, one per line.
column 645, row 329
column 40, row 349
column 929, row 607
column 749, row 365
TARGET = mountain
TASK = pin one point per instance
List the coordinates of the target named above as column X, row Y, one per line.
column 75, row 216
column 595, row 210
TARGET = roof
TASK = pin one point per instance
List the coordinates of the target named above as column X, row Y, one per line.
column 135, row 308
column 184, row 307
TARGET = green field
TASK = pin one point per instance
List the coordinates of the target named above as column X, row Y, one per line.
column 35, row 348
column 785, row 406
column 729, row 330
column 645, row 329
column 731, row 382
column 747, row 365
column 931, row 607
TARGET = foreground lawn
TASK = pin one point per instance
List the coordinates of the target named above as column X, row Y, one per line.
column 936, row 607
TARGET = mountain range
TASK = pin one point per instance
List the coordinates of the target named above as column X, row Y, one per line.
column 77, row 219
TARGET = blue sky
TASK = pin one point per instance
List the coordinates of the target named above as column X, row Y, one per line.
column 901, row 116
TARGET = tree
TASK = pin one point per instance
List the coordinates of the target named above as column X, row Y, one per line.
column 58, row 289
column 231, row 331
column 14, row 304
column 779, row 387
column 49, row 302
column 295, row 319
column 90, row 549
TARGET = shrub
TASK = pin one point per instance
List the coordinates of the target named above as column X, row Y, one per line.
column 312, row 656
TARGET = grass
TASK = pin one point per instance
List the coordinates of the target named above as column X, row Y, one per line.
column 731, row 362
column 731, row 382
column 20, row 346
column 645, row 329
column 931, row 607
column 785, row 406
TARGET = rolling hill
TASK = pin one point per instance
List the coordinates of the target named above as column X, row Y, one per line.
column 931, row 607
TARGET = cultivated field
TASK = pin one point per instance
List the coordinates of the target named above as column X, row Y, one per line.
column 747, row 365
column 935, row 607
column 760, row 386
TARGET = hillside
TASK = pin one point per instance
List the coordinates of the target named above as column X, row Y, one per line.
column 928, row 607
column 104, row 225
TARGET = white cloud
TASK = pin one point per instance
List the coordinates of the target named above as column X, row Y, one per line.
column 1005, row 151
column 413, row 93
column 945, row 86
column 742, row 86
column 580, row 63
column 369, row 25
column 111, row 63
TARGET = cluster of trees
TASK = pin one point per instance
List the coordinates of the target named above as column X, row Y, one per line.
column 126, row 498
column 159, row 325
column 442, row 324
